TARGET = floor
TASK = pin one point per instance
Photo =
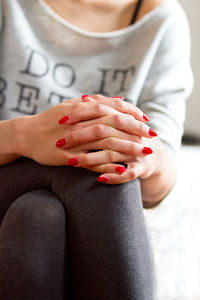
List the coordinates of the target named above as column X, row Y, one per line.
column 174, row 228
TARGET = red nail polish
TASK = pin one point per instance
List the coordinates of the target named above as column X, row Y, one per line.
column 145, row 118
column 84, row 96
column 60, row 143
column 120, row 169
column 73, row 161
column 64, row 120
column 103, row 179
column 152, row 132
column 147, row 150
column 122, row 98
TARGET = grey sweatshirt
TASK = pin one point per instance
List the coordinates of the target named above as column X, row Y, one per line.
column 44, row 60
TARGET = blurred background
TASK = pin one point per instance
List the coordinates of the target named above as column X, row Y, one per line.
column 192, row 124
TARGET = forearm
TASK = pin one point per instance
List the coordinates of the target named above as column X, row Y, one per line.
column 8, row 136
column 159, row 184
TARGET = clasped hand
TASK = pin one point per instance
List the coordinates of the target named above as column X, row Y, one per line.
column 97, row 133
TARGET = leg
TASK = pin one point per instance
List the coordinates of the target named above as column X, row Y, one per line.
column 110, row 254
column 32, row 248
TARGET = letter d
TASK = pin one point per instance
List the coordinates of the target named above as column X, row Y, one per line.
column 37, row 66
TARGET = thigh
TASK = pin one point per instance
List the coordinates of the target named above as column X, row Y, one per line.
column 33, row 249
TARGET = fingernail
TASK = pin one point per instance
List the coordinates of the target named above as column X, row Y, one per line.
column 152, row 132
column 122, row 98
column 120, row 169
column 147, row 150
column 60, row 143
column 73, row 161
column 84, row 96
column 145, row 118
column 64, row 120
column 103, row 179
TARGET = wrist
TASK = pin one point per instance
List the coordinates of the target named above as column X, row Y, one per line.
column 20, row 128
column 8, row 142
column 8, row 135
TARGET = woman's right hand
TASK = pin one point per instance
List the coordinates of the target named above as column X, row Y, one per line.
column 36, row 135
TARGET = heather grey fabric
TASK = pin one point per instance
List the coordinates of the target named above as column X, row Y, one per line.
column 45, row 59
column 65, row 236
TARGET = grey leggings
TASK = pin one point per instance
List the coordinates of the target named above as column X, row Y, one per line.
column 64, row 236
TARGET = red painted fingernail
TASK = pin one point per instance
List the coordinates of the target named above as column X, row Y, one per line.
column 147, row 150
column 103, row 179
column 73, row 161
column 122, row 98
column 60, row 143
column 120, row 169
column 64, row 120
column 145, row 118
column 152, row 132
column 84, row 96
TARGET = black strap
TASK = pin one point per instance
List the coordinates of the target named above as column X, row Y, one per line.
column 139, row 4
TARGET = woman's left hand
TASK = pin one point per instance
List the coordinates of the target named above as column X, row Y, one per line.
column 127, row 153
column 140, row 166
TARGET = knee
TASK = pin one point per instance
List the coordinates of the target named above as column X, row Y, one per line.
column 32, row 241
column 75, row 186
column 36, row 209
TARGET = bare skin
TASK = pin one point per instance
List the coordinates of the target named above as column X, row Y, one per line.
column 111, row 134
column 103, row 125
column 88, row 14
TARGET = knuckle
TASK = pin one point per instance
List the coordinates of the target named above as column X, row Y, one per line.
column 99, row 130
column 77, row 106
column 118, row 120
column 109, row 155
column 98, row 96
column 138, row 139
column 137, row 110
column 132, row 174
column 120, row 104
column 109, row 142
column 71, row 139
column 132, row 148
column 84, row 161
column 140, row 126
column 130, row 118
column 76, row 126
column 107, row 168
column 99, row 108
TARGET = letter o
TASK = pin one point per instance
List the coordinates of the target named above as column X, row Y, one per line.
column 64, row 75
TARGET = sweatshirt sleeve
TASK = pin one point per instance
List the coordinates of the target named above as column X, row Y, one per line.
column 168, row 84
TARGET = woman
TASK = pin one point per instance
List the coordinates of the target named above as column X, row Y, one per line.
column 67, row 232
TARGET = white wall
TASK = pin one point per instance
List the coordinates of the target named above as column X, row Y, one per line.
column 192, row 9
